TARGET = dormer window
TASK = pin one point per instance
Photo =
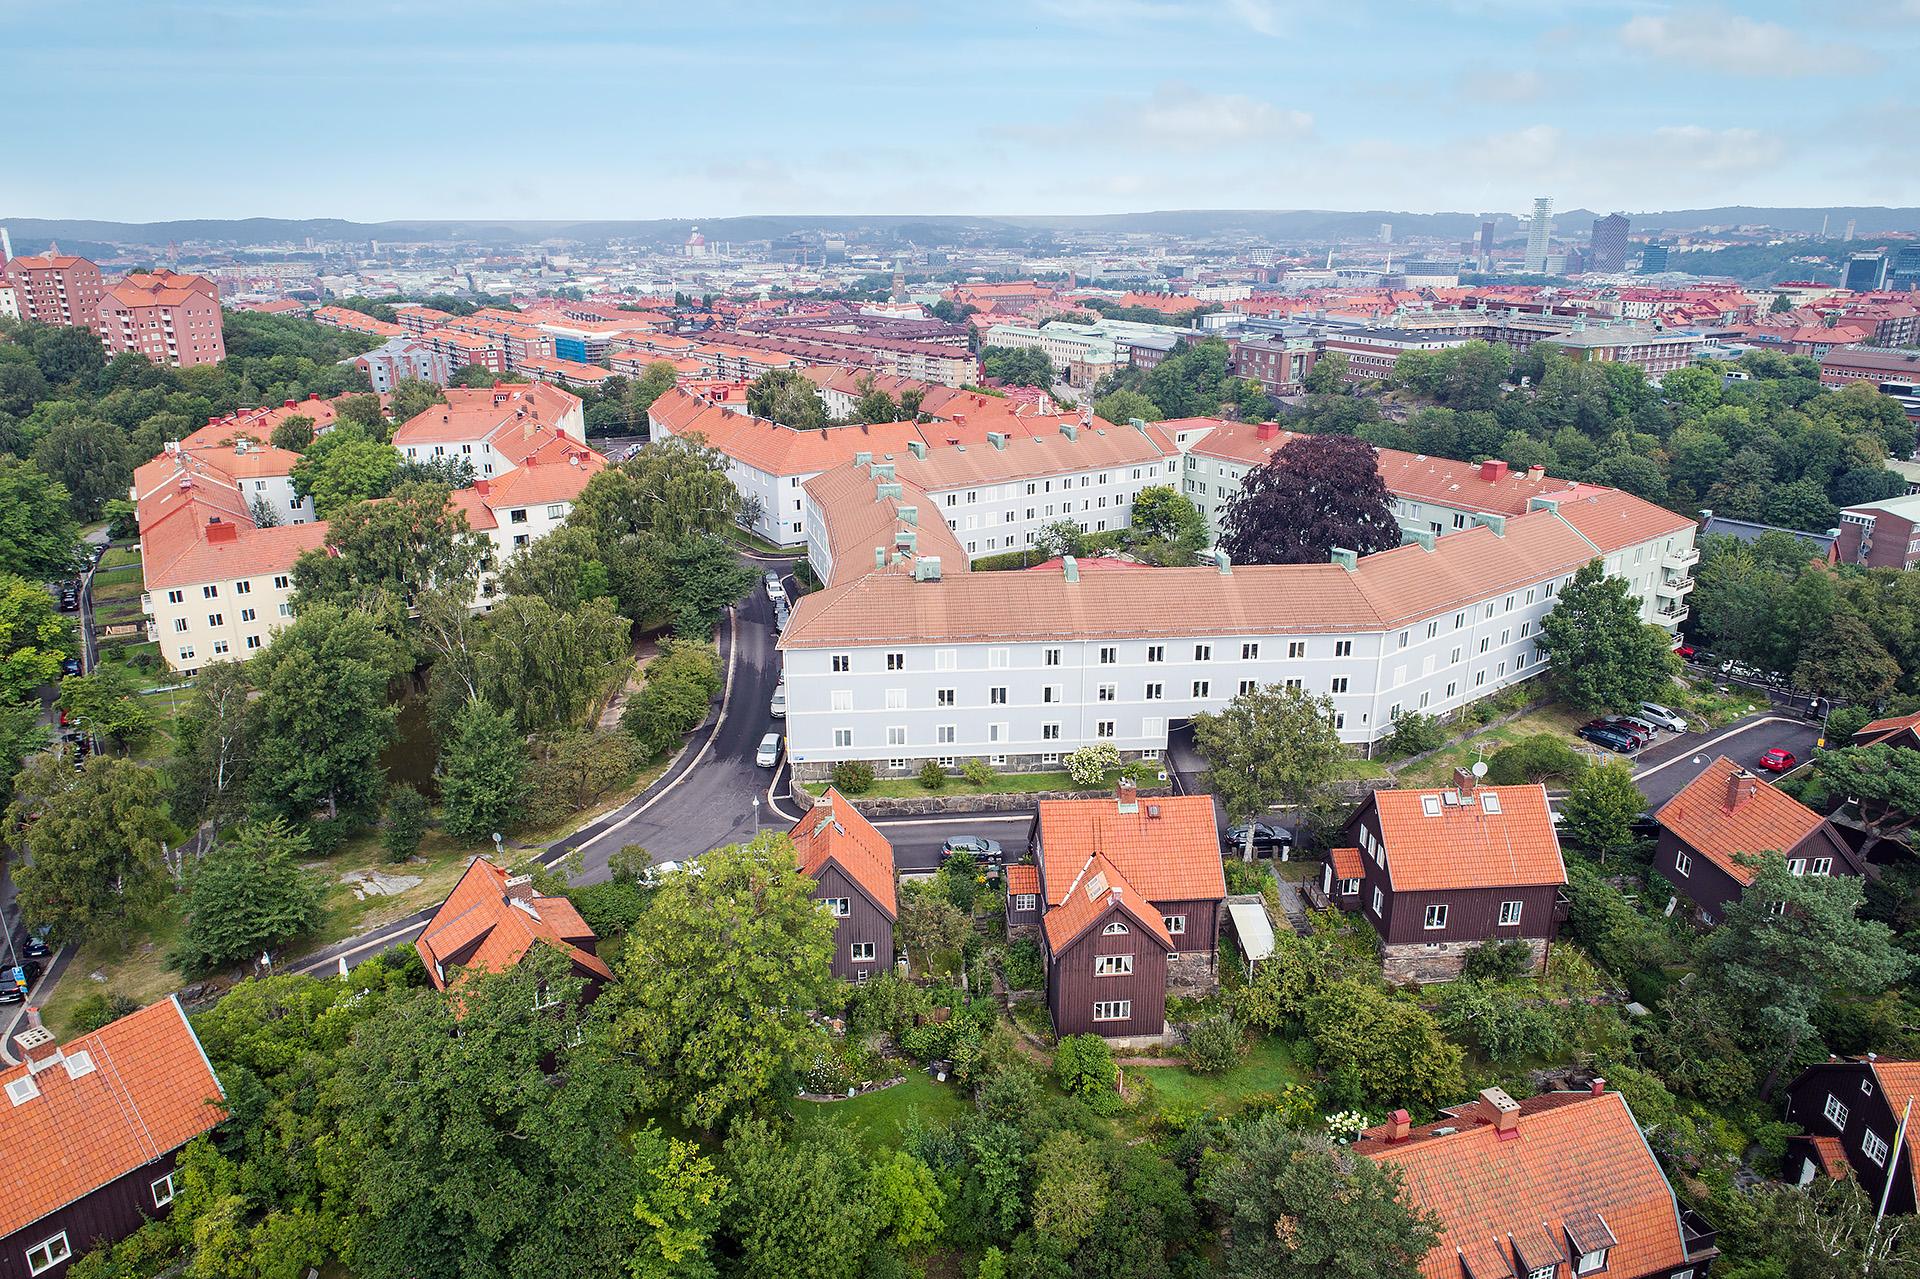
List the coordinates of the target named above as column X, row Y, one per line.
column 1542, row 1272
column 1589, row 1262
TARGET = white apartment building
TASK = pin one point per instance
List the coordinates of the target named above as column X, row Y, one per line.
column 496, row 428
column 903, row 664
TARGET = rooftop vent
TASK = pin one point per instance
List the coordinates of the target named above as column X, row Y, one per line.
column 1071, row 567
column 919, row 447
column 927, row 569
column 1348, row 560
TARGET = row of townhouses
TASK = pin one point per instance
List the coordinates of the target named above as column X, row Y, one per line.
column 221, row 524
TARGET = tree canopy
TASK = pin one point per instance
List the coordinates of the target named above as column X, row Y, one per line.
column 1317, row 493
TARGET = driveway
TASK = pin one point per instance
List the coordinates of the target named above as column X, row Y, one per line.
column 1664, row 770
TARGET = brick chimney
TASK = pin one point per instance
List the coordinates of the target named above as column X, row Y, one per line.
column 1267, row 430
column 1741, row 787
column 1399, row 1124
column 36, row 1045
column 1536, row 473
column 218, row 532
column 483, row 487
column 1503, row 1110
column 1126, row 796
column 1464, row 781
column 1493, row 469
column 518, row 888
column 1599, row 1086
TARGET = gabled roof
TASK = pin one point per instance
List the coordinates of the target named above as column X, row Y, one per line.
column 1023, row 877
column 491, row 920
column 1766, row 819
column 857, row 520
column 1576, row 1167
column 1488, row 837
column 1168, row 848
column 834, row 831
column 481, row 413
column 1881, row 730
column 1100, row 887
column 115, row 1100
column 1900, row 1083
column 1347, row 864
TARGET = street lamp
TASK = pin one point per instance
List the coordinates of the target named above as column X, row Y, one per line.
column 496, row 846
column 756, row 816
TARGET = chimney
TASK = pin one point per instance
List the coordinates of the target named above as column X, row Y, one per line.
column 313, row 395
column 1536, row 473
column 218, row 532
column 1506, row 1112
column 1267, row 430
column 879, row 557
column 1071, row 567
column 1493, row 469
column 823, row 800
column 287, row 404
column 1599, row 1086
column 36, row 1045
column 483, row 487
column 1464, row 781
column 1399, row 1124
column 519, row 888
column 1741, row 787
column 1126, row 797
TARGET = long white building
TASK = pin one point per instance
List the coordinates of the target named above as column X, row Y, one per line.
column 906, row 662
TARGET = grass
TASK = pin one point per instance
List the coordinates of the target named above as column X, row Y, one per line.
column 1437, row 768
column 119, row 557
column 1267, row 1068
column 879, row 1120
column 1699, row 699
column 133, row 963
column 120, row 584
column 1002, row 784
column 760, row 545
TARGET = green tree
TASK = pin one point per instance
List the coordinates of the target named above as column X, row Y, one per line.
column 549, row 667
column 213, row 746
column 1328, row 376
column 381, row 557
column 658, row 378
column 1603, row 654
column 412, row 397
column 248, row 894
column 91, row 459
column 1299, row 1207
column 406, row 822
column 786, row 396
column 1601, row 808
column 1123, row 406
column 93, row 840
column 680, row 1205
column 680, row 685
column 344, row 466
column 483, row 769
column 1272, row 745
column 34, row 637
column 1070, row 1188
column 907, row 1202
column 801, row 1209
column 1167, row 528
column 1018, row 366
column 1880, row 782
column 107, row 704
column 1084, row 1066
column 323, row 716
column 21, row 735
column 717, row 979
column 1846, row 663
column 474, row 1161
column 362, row 411
column 929, row 926
column 293, row 433
column 1378, row 1051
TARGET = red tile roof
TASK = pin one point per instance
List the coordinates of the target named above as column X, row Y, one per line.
column 115, row 1100
column 1766, row 820
column 1168, row 847
column 1493, row 837
column 834, row 831
column 1900, row 1083
column 1023, row 877
column 491, row 920
column 857, row 520
column 1099, row 887
column 1578, row 1165
column 1832, row 1156
column 1347, row 864
column 1881, row 729
column 488, row 413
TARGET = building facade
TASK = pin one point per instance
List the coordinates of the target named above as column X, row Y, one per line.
column 171, row 319
column 55, row 288
column 1851, row 1111
column 1882, row 534
column 851, row 866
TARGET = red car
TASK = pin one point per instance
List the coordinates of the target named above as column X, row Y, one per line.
column 1686, row 650
column 1778, row 760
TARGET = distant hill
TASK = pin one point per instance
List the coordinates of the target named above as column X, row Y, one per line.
column 1279, row 225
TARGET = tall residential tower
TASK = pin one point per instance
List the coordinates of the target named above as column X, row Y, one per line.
column 1539, row 234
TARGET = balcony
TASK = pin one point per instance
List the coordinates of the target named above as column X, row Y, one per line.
column 1681, row 560
column 1675, row 584
column 1672, row 614
column 1698, row 1237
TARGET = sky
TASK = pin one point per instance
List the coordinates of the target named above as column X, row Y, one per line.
column 144, row 110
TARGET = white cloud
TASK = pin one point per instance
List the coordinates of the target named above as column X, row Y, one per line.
column 1712, row 38
column 1180, row 114
column 1262, row 17
column 1503, row 86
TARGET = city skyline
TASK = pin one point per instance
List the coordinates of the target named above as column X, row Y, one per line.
column 1066, row 107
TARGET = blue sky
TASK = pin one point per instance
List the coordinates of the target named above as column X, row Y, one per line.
column 373, row 109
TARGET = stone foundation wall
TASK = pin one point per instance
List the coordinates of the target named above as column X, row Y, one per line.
column 1191, row 974
column 1417, row 961
column 933, row 802
column 818, row 770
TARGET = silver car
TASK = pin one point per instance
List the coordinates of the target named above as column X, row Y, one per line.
column 769, row 753
column 778, row 707
column 1665, row 717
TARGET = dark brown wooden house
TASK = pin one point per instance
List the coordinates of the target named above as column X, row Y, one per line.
column 491, row 920
column 1132, row 894
column 851, row 865
column 1727, row 813
column 89, row 1132
column 1851, row 1111
column 1440, row 871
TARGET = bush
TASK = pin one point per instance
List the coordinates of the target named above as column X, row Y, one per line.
column 932, row 776
column 96, row 1008
column 1416, row 734
column 573, row 768
column 979, row 773
column 406, row 822
column 1090, row 765
column 852, row 776
column 1084, row 1066
column 1497, row 961
column 1544, row 757
column 1214, row 1044
column 1023, row 966
column 681, row 683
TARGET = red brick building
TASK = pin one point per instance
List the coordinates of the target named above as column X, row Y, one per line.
column 170, row 318
column 55, row 288
column 1884, row 534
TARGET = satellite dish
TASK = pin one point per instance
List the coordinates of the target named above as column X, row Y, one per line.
column 1480, row 768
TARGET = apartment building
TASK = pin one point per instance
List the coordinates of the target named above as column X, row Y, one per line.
column 907, row 662
column 561, row 372
column 341, row 317
column 55, row 288
column 400, row 358
column 170, row 318
column 1883, row 534
column 497, row 428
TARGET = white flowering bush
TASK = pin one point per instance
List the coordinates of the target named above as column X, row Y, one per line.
column 1090, row 765
column 1347, row 1125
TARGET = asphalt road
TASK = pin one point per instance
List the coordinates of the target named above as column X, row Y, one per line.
column 1665, row 768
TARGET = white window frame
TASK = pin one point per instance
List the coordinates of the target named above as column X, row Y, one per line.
column 861, row 952
column 1435, row 916
column 1026, row 901
column 1682, row 865
column 1588, row 1262
column 1115, row 928
column 53, row 1251
column 1176, row 925
column 838, row 907
column 1874, row 1147
column 1112, row 1009
column 1377, row 899
column 1510, row 914
column 1113, row 965
column 155, row 1186
column 1835, row 1112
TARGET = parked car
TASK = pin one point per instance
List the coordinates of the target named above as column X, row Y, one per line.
column 778, row 707
column 769, row 753
column 1664, row 716
column 1641, row 727
column 775, row 591
column 1686, row 651
column 33, row 944
column 71, row 666
column 981, row 849
column 781, row 615
column 1267, row 838
column 1621, row 728
column 69, row 601
column 1778, row 760
column 1611, row 738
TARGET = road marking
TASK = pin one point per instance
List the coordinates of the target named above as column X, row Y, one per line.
column 773, row 806
column 1715, row 741
column 977, row 819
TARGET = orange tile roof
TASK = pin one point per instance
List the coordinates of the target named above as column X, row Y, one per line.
column 1347, row 864
column 774, row 449
column 347, row 318
column 1465, row 845
column 1023, row 877
column 1098, row 887
column 1900, row 1083
column 176, row 551
column 536, row 481
column 1172, row 854
column 1879, row 729
column 143, row 1089
column 834, row 831
column 480, row 910
column 479, row 413
column 1832, row 1155
column 162, row 288
column 1768, row 820
column 1035, row 447
column 858, row 520
column 1578, row 1163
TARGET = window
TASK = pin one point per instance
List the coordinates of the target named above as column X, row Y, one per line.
column 1343, row 648
column 1026, row 902
column 1176, row 924
column 944, row 734
column 1489, row 802
column 219, row 646
column 997, row 696
column 1053, row 657
column 1509, row 914
column 843, row 699
column 1823, row 865
column 1050, row 733
column 1202, row 688
column 1874, row 1147
column 209, row 592
column 843, row 738
column 1117, row 928
column 1103, row 1010
column 1296, row 648
column 1797, row 866
column 945, row 697
column 176, row 597
column 1377, row 899
column 215, row 619
column 281, row 582
column 896, row 735
column 1112, row 965
column 48, row 1253
column 943, row 659
column 1249, row 652
column 1203, row 652
column 1340, row 684
column 1109, row 655
column 836, row 906
column 246, row 615
column 243, row 588
column 842, row 662
column 1544, row 1272
column 1107, row 693
column 896, row 699
column 1103, row 728
column 996, row 659
column 861, row 952
column 1348, row 887
column 179, row 624
column 1154, row 692
column 1436, row 916
column 1156, row 652
column 1682, row 865
column 162, row 1191
column 1590, row 1262
column 1053, row 693
column 1248, row 686
column 896, row 661
column 253, row 641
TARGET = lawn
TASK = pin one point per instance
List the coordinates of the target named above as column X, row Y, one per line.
column 119, row 584
column 1002, row 784
column 878, row 1120
column 133, row 964
column 1699, row 699
column 1267, row 1068
column 119, row 557
column 1437, row 769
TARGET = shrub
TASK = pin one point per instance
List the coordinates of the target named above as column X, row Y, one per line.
column 932, row 776
column 1214, row 1044
column 1543, row 757
column 1022, row 965
column 406, row 822
column 1090, row 765
column 1084, row 1066
column 852, row 776
column 1501, row 1025
column 681, row 683
column 96, row 1008
column 979, row 773
column 1497, row 961
column 1416, row 734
